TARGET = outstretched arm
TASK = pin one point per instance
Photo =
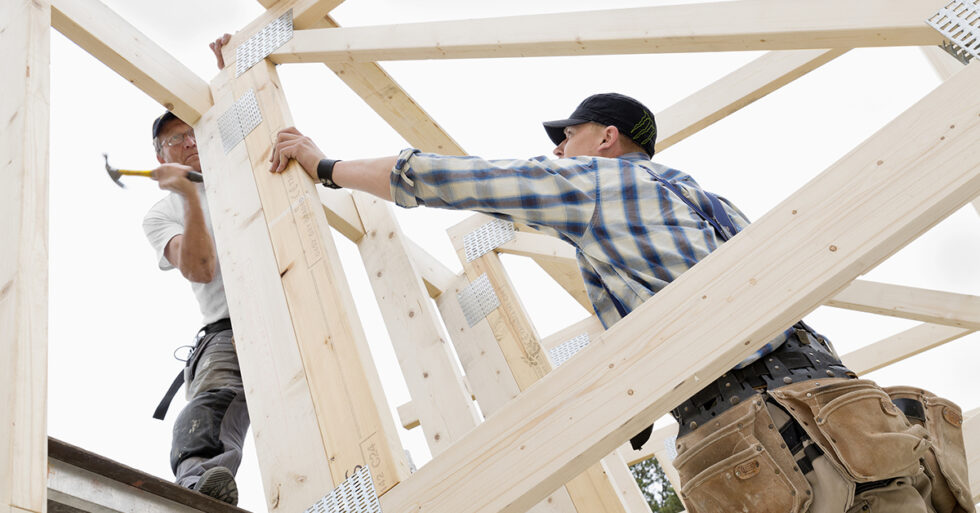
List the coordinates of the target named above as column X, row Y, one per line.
column 368, row 175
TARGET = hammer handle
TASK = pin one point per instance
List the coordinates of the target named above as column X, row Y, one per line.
column 193, row 176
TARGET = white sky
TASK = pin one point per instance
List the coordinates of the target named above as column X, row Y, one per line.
column 115, row 318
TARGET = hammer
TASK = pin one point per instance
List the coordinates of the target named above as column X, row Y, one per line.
column 115, row 174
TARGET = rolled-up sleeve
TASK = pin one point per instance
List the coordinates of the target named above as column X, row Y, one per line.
column 552, row 194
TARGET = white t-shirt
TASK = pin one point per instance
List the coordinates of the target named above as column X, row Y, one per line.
column 165, row 221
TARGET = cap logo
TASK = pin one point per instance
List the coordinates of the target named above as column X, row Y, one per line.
column 644, row 130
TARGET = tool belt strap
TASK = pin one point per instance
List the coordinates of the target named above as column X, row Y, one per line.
column 214, row 327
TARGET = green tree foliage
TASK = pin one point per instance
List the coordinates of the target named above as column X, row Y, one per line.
column 655, row 487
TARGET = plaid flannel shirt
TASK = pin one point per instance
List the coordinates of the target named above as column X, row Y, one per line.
column 632, row 235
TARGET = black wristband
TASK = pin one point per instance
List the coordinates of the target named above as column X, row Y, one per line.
column 324, row 171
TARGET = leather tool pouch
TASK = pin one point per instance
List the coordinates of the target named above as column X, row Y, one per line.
column 740, row 463
column 856, row 424
column 946, row 461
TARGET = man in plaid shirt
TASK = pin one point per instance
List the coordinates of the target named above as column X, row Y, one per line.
column 796, row 428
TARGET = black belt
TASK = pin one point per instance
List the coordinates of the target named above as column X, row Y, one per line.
column 802, row 357
column 214, row 327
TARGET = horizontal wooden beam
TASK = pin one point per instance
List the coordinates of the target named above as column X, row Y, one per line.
column 305, row 14
column 715, row 315
column 938, row 307
column 901, row 346
column 120, row 46
column 709, row 27
column 735, row 91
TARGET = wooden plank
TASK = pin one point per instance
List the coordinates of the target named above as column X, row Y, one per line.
column 436, row 276
column 338, row 206
column 340, row 370
column 439, row 399
column 948, row 308
column 736, row 90
column 590, row 325
column 25, row 37
column 485, row 367
column 712, row 317
column 517, row 339
column 901, row 346
column 124, row 49
column 292, row 455
column 707, row 27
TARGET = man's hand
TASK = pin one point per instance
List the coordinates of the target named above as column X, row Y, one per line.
column 173, row 177
column 290, row 144
column 216, row 48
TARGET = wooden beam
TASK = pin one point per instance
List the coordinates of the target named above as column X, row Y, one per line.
column 948, row 308
column 712, row 317
column 436, row 276
column 736, row 90
column 555, row 256
column 439, row 399
column 590, row 325
column 597, row 488
column 901, row 346
column 709, row 27
column 338, row 206
column 298, row 300
column 124, row 49
column 284, row 421
column 25, row 37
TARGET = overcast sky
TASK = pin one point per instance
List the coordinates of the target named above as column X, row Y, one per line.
column 115, row 319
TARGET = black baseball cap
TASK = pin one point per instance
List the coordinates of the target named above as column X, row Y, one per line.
column 159, row 122
column 631, row 117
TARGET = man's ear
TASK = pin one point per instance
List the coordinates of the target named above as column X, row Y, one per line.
column 610, row 137
column 160, row 158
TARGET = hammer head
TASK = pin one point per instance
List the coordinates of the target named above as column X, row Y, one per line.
column 113, row 172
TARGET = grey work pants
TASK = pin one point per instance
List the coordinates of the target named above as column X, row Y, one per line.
column 210, row 430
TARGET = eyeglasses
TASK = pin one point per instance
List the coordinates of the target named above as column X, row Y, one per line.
column 176, row 139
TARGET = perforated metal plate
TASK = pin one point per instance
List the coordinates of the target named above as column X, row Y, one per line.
column 959, row 22
column 355, row 495
column 561, row 353
column 477, row 300
column 486, row 238
column 239, row 120
column 263, row 42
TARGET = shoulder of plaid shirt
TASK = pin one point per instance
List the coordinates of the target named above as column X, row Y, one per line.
column 631, row 234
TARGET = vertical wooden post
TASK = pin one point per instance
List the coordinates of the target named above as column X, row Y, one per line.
column 606, row 486
column 24, row 110
column 444, row 408
column 317, row 406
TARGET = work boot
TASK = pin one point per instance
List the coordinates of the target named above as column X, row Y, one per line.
column 218, row 482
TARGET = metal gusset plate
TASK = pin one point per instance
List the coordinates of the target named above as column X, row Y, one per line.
column 959, row 22
column 477, row 300
column 562, row 352
column 355, row 495
column 486, row 238
column 239, row 120
column 263, row 43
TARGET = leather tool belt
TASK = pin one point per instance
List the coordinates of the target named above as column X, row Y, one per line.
column 803, row 357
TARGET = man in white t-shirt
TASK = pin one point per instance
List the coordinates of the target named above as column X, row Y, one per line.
column 210, row 430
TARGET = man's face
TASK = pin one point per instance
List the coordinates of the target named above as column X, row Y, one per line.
column 581, row 141
column 178, row 145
